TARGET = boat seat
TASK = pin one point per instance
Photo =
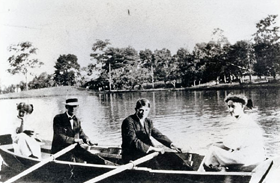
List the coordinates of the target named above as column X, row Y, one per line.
column 5, row 139
column 8, row 146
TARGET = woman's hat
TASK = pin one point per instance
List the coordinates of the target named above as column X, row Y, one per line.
column 23, row 107
column 73, row 101
column 237, row 98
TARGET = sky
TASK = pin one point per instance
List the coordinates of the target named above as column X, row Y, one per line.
column 58, row 27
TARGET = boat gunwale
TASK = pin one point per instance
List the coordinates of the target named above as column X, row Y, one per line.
column 178, row 172
column 18, row 155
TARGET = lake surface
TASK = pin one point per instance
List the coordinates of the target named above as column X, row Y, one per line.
column 189, row 118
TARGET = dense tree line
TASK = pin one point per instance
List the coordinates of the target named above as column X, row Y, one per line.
column 126, row 68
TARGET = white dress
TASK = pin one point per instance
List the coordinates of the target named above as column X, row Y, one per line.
column 24, row 144
column 245, row 142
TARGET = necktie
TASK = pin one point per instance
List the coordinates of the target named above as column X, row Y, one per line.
column 71, row 119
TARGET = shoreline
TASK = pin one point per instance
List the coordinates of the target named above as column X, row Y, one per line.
column 72, row 90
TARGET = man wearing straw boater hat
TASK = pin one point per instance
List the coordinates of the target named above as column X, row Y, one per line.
column 67, row 128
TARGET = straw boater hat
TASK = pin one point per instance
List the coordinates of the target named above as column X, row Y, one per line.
column 237, row 98
column 71, row 101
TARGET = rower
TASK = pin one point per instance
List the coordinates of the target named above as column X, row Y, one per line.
column 136, row 132
column 68, row 130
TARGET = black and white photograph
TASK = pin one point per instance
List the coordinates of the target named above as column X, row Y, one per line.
column 130, row 91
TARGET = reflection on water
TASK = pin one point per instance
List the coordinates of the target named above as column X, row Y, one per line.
column 189, row 118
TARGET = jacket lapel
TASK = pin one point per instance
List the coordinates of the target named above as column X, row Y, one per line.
column 75, row 124
column 138, row 125
column 67, row 123
column 75, row 128
column 146, row 126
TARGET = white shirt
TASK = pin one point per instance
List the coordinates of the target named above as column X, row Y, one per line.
column 71, row 120
column 246, row 136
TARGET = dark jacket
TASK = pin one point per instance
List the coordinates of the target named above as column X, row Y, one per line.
column 136, row 138
column 64, row 135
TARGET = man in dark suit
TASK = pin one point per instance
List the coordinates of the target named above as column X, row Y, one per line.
column 67, row 128
column 136, row 132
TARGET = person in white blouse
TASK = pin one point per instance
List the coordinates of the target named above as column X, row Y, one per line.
column 25, row 141
column 242, row 149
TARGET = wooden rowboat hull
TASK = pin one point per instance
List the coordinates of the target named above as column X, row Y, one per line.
column 65, row 171
column 62, row 171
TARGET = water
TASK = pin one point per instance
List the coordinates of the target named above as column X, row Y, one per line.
column 189, row 118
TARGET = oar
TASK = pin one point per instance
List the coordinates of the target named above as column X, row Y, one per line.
column 122, row 168
column 41, row 163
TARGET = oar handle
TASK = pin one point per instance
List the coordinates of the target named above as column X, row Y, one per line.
column 145, row 158
column 41, row 163
column 123, row 168
column 63, row 151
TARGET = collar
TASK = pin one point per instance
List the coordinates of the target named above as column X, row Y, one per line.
column 71, row 117
column 21, row 118
column 239, row 116
column 139, row 120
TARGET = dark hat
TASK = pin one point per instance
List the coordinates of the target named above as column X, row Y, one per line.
column 237, row 98
column 28, row 108
column 72, row 101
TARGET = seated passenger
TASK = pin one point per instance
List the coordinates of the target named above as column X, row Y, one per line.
column 24, row 139
column 68, row 130
column 242, row 148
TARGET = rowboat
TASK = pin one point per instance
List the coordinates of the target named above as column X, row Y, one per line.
column 176, row 167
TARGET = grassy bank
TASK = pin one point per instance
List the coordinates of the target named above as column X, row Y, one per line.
column 70, row 90
column 46, row 92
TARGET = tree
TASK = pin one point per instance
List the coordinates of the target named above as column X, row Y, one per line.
column 214, row 60
column 123, row 62
column 22, row 60
column 185, row 65
column 267, row 47
column 10, row 89
column 172, row 71
column 44, row 80
column 220, row 60
column 66, row 70
column 147, row 61
column 113, row 62
column 140, row 76
column 161, row 61
column 22, row 85
column 198, row 55
column 219, row 37
column 101, row 58
column 266, row 31
column 241, row 59
column 87, row 75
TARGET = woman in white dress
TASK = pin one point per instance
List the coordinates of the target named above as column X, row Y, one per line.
column 24, row 139
column 243, row 146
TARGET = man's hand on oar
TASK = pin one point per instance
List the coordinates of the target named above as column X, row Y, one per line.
column 179, row 149
column 176, row 148
column 156, row 149
column 86, row 145
column 90, row 143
